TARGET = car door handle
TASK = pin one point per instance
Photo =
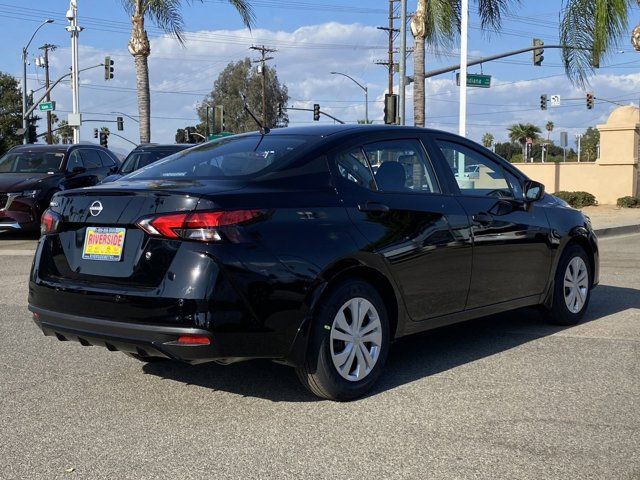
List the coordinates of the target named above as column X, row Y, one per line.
column 373, row 207
column 483, row 218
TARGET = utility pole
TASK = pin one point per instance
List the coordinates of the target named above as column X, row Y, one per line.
column 393, row 33
column 464, row 39
column 75, row 119
column 46, row 47
column 579, row 139
column 403, row 62
column 262, row 61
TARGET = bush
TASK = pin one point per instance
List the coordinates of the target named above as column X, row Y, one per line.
column 629, row 202
column 577, row 199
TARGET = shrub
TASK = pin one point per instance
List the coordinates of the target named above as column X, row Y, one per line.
column 577, row 199
column 629, row 202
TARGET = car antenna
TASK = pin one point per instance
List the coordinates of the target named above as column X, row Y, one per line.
column 263, row 130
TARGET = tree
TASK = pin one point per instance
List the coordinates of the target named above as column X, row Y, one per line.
column 10, row 112
column 186, row 134
column 592, row 28
column 166, row 15
column 241, row 77
column 65, row 132
column 487, row 140
column 549, row 126
column 521, row 132
column 437, row 23
column 589, row 144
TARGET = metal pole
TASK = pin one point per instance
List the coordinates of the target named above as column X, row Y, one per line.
column 46, row 49
column 25, row 135
column 391, row 65
column 366, row 105
column 75, row 81
column 464, row 38
column 579, row 145
column 403, row 61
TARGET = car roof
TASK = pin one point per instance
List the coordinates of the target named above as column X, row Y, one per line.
column 328, row 130
column 39, row 148
column 160, row 146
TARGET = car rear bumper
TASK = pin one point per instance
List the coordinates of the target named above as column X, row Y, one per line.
column 143, row 339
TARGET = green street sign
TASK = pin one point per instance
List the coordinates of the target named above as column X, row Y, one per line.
column 475, row 80
column 47, row 106
column 215, row 136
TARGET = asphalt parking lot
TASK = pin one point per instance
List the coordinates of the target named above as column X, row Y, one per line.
column 501, row 397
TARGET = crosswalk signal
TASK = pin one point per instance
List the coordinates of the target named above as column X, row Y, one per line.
column 316, row 112
column 538, row 53
column 590, row 99
column 32, row 134
column 120, row 123
column 108, row 68
column 390, row 108
column 95, row 133
column 543, row 102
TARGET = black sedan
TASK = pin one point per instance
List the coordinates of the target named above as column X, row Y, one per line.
column 144, row 155
column 288, row 246
column 31, row 174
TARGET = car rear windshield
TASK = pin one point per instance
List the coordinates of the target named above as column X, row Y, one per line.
column 31, row 162
column 141, row 158
column 227, row 158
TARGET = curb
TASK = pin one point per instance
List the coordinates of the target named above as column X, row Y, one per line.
column 615, row 231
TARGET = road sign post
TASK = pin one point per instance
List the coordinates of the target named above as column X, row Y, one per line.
column 475, row 80
column 47, row 106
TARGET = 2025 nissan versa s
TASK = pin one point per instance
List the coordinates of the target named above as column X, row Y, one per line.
column 288, row 246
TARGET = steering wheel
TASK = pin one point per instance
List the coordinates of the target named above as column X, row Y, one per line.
column 499, row 193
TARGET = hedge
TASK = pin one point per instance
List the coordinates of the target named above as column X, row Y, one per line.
column 577, row 199
column 629, row 202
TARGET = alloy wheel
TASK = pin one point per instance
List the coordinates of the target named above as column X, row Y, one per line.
column 356, row 339
column 576, row 284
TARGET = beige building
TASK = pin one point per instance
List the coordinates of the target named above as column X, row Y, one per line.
column 615, row 174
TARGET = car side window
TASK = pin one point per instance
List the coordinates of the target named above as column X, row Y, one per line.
column 107, row 161
column 91, row 158
column 475, row 174
column 74, row 161
column 353, row 166
column 401, row 166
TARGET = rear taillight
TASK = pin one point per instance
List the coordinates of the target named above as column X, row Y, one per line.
column 200, row 226
column 50, row 222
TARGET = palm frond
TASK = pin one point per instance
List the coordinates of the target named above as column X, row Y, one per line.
column 167, row 16
column 245, row 10
column 491, row 12
column 442, row 23
column 589, row 29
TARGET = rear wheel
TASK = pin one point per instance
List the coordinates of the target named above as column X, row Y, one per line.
column 572, row 287
column 349, row 343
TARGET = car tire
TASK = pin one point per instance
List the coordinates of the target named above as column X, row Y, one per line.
column 571, row 288
column 344, row 360
column 142, row 359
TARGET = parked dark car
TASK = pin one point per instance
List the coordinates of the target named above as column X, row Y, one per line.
column 287, row 246
column 31, row 174
column 144, row 155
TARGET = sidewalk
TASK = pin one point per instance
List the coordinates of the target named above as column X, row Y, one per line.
column 611, row 220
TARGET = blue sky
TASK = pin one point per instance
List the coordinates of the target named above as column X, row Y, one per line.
column 313, row 38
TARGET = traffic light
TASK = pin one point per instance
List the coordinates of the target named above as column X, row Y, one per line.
column 590, row 100
column 108, row 68
column 538, row 53
column 543, row 102
column 390, row 108
column 104, row 139
column 279, row 110
column 316, row 112
column 120, row 123
column 33, row 134
column 95, row 133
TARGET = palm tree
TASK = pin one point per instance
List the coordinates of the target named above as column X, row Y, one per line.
column 549, row 126
column 592, row 28
column 487, row 140
column 437, row 23
column 521, row 133
column 166, row 15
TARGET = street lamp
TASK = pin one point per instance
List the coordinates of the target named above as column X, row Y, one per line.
column 366, row 94
column 25, row 137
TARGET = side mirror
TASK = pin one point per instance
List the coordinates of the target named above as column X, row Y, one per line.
column 533, row 191
column 78, row 170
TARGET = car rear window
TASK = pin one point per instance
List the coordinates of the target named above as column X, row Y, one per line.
column 227, row 158
column 31, row 162
column 141, row 158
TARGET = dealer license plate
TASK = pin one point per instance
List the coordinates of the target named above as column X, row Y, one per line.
column 102, row 243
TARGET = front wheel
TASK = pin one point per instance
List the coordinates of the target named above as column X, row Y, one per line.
column 349, row 343
column 572, row 287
